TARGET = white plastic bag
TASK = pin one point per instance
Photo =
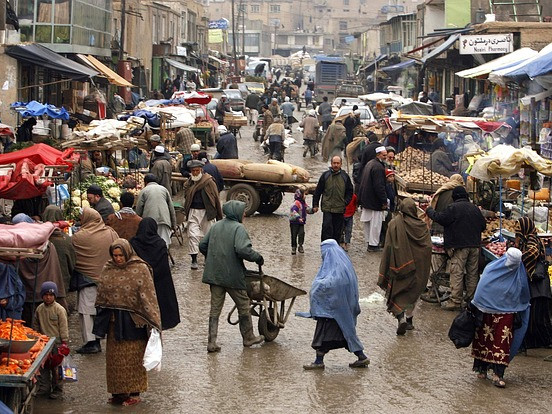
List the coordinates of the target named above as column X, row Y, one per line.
column 154, row 352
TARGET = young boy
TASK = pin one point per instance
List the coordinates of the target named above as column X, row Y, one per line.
column 348, row 221
column 297, row 219
column 51, row 320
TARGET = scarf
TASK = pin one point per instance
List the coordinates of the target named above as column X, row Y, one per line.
column 124, row 210
column 454, row 181
column 530, row 245
column 52, row 213
column 91, row 243
column 129, row 287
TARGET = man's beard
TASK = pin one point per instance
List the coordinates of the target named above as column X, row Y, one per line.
column 197, row 177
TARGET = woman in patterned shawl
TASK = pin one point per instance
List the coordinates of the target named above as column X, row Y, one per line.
column 539, row 332
column 127, row 310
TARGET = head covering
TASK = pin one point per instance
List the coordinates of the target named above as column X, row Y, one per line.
column 371, row 136
column 21, row 218
column 312, row 112
column 299, row 194
column 222, row 129
column 155, row 138
column 504, row 288
column 459, row 192
column 357, row 112
column 380, row 149
column 91, row 243
column 160, row 149
column 390, row 149
column 454, row 181
column 150, row 178
column 334, row 292
column 48, row 287
column 52, row 213
column 438, row 143
column 286, row 99
column 12, row 288
column 530, row 245
column 389, row 172
column 153, row 250
column 195, row 147
column 95, row 189
column 233, row 210
column 195, row 164
column 129, row 287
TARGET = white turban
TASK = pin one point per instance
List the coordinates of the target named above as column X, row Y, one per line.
column 380, row 149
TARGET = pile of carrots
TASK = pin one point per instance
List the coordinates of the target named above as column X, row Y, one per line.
column 20, row 333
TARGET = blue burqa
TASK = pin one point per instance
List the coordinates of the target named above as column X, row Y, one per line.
column 11, row 288
column 334, row 293
column 503, row 288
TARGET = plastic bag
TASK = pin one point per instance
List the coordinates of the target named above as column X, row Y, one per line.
column 68, row 369
column 154, row 352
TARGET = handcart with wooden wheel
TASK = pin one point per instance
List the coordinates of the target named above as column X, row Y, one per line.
column 268, row 302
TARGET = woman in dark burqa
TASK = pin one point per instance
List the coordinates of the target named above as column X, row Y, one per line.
column 539, row 332
column 153, row 250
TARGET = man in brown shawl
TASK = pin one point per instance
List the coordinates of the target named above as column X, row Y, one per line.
column 202, row 206
column 333, row 140
column 405, row 265
column 442, row 198
column 125, row 221
column 91, row 245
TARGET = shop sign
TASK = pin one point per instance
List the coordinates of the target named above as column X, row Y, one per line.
column 486, row 44
column 219, row 24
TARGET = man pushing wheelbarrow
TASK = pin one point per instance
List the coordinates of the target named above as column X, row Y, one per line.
column 225, row 247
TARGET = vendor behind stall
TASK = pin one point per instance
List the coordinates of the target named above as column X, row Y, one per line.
column 439, row 162
column 98, row 202
column 25, row 130
column 161, row 167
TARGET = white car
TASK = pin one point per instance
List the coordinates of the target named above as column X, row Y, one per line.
column 366, row 116
column 350, row 101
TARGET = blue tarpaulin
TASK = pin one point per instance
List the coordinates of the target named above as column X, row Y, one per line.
column 35, row 108
column 542, row 64
column 399, row 66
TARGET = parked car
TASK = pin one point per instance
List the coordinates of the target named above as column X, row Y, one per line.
column 237, row 103
column 242, row 87
column 366, row 116
column 256, row 87
column 350, row 102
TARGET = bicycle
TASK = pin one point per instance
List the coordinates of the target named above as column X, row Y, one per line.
column 439, row 290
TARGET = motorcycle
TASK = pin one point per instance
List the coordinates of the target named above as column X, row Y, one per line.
column 258, row 128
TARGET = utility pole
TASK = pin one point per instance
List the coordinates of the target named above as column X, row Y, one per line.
column 123, row 24
column 234, row 36
column 243, row 30
column 3, row 36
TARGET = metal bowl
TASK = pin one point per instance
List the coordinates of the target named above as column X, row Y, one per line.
column 17, row 347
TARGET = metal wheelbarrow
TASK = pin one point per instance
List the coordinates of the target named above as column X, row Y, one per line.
column 268, row 297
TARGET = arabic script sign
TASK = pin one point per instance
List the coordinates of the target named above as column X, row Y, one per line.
column 484, row 44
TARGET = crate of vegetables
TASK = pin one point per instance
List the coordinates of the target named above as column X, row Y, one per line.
column 495, row 249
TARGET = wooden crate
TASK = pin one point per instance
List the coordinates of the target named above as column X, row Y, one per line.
column 417, row 187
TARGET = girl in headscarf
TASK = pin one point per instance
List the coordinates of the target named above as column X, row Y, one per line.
column 153, row 250
column 405, row 264
column 539, row 332
column 334, row 306
column 127, row 310
column 91, row 245
column 502, row 292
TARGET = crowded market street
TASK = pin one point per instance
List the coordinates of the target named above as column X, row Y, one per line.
column 420, row 372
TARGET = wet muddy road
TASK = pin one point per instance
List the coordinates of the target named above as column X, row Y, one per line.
column 421, row 372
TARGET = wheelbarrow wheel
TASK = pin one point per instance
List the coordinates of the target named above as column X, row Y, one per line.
column 266, row 328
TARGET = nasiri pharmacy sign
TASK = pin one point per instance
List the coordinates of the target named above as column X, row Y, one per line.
column 485, row 44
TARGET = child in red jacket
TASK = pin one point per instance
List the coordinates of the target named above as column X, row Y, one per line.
column 348, row 221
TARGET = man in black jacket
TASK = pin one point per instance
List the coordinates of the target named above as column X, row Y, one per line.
column 463, row 224
column 336, row 190
column 372, row 197
column 227, row 146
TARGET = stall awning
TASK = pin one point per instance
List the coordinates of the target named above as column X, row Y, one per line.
column 220, row 61
column 440, row 49
column 372, row 65
column 542, row 65
column 182, row 66
column 399, row 66
column 504, row 61
column 36, row 54
column 111, row 76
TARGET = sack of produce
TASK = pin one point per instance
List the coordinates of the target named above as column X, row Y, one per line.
column 229, row 168
column 301, row 175
column 266, row 172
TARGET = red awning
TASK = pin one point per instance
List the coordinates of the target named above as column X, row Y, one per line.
column 24, row 181
column 40, row 154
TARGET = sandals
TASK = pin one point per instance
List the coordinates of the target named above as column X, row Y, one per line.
column 131, row 401
column 482, row 375
column 498, row 382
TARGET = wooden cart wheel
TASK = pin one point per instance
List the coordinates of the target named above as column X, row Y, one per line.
column 270, row 202
column 247, row 194
column 267, row 329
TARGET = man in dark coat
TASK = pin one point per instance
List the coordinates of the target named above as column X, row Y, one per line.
column 351, row 122
column 372, row 197
column 463, row 224
column 336, row 190
column 225, row 247
column 227, row 146
column 212, row 170
column 98, row 202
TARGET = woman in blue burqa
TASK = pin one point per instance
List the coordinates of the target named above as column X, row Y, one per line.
column 334, row 306
column 502, row 295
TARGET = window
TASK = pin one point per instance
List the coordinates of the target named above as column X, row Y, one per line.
column 345, row 2
column 275, row 8
column 342, row 25
column 242, row 8
column 252, row 40
column 255, row 8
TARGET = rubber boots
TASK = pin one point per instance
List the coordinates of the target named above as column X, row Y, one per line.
column 213, row 330
column 246, row 329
